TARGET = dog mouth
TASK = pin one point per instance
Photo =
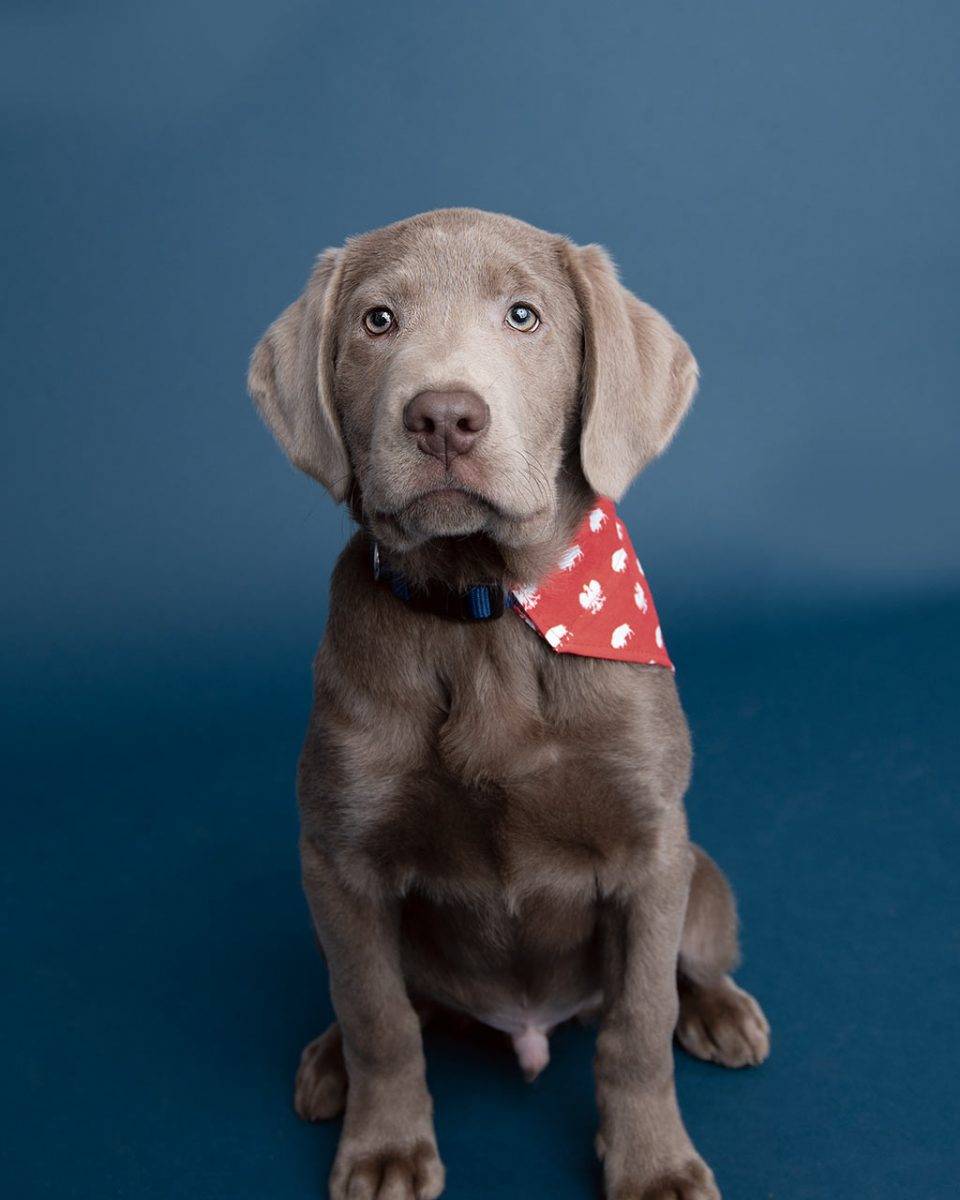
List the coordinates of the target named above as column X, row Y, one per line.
column 454, row 497
column 445, row 508
column 458, row 501
column 453, row 493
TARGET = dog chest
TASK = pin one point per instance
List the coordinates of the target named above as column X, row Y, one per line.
column 485, row 760
column 567, row 821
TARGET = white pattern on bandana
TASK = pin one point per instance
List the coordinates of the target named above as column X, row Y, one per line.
column 527, row 596
column 592, row 597
column 620, row 636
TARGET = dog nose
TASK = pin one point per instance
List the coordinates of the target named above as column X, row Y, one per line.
column 446, row 424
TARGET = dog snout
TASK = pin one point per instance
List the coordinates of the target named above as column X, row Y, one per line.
column 446, row 424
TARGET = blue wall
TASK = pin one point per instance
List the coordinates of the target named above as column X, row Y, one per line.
column 781, row 180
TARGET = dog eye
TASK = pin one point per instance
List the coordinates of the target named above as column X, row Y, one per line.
column 378, row 320
column 523, row 317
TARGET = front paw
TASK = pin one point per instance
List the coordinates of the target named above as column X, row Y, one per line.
column 693, row 1180
column 377, row 1165
column 646, row 1152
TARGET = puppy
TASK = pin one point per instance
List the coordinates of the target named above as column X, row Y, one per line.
column 489, row 825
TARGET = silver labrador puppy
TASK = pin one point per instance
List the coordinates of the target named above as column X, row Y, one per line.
column 487, row 825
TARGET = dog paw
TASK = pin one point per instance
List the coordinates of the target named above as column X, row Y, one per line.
column 320, row 1090
column 723, row 1024
column 691, row 1181
column 389, row 1173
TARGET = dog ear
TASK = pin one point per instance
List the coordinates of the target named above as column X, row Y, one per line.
column 291, row 380
column 638, row 376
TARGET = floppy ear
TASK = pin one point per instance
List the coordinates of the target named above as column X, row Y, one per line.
column 291, row 380
column 638, row 375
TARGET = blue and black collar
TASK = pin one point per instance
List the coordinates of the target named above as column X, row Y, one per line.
column 482, row 602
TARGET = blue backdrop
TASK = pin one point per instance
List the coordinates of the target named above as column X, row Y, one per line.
column 782, row 182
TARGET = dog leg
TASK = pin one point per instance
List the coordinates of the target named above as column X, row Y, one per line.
column 387, row 1146
column 646, row 1151
column 718, row 1021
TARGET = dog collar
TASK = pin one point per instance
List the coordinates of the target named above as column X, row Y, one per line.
column 596, row 603
column 482, row 602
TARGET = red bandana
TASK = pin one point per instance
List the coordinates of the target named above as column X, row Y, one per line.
column 597, row 603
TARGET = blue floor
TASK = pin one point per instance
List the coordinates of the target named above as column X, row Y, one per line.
column 161, row 976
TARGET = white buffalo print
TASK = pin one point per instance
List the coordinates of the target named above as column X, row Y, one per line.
column 640, row 597
column 598, row 518
column 569, row 558
column 592, row 597
column 618, row 560
column 527, row 596
column 620, row 636
column 556, row 635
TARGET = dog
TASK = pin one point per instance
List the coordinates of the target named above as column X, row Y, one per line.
column 490, row 826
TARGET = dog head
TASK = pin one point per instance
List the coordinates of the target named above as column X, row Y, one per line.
column 448, row 373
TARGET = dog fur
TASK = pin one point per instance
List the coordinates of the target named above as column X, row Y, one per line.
column 487, row 826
